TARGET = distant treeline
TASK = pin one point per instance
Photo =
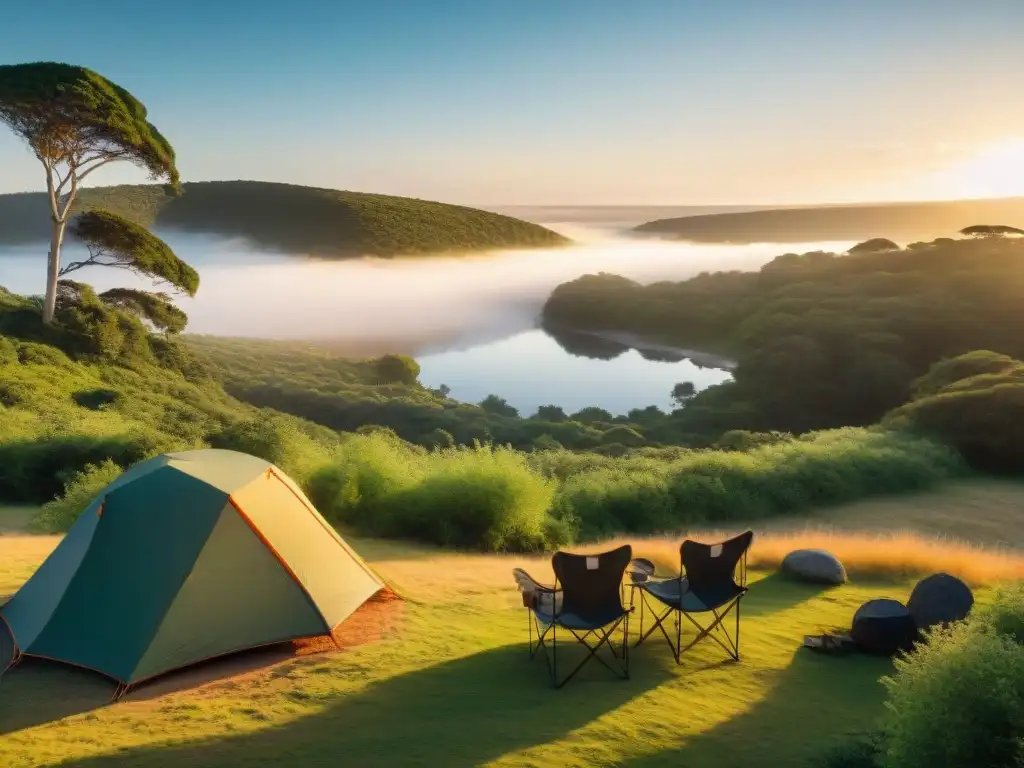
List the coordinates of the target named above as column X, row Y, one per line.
column 290, row 218
column 904, row 222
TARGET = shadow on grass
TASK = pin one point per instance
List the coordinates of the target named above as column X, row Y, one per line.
column 778, row 592
column 810, row 705
column 460, row 713
column 37, row 692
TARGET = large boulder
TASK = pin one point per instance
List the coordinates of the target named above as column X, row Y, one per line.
column 815, row 566
column 938, row 600
column 883, row 627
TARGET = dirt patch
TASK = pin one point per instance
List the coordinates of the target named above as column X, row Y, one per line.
column 374, row 620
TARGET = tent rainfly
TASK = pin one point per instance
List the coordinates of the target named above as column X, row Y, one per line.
column 185, row 557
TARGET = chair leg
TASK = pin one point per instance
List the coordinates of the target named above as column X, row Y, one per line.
column 592, row 652
column 731, row 646
column 678, row 650
column 658, row 624
column 529, row 631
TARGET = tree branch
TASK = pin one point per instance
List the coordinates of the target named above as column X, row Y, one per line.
column 94, row 261
column 71, row 197
column 50, row 190
column 108, row 159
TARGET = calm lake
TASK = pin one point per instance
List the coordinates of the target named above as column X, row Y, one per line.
column 470, row 321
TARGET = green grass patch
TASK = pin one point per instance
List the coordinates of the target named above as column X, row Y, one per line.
column 452, row 686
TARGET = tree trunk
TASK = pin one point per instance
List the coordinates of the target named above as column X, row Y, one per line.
column 53, row 271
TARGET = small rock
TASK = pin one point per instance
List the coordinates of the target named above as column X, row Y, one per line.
column 940, row 599
column 815, row 566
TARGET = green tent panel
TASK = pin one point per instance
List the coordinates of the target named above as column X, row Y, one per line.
column 186, row 557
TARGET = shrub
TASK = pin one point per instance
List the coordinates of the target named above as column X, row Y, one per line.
column 1005, row 614
column 499, row 406
column 31, row 353
column 646, row 495
column 950, row 370
column 743, row 440
column 958, row 700
column 982, row 424
column 622, row 435
column 8, row 352
column 34, row 471
column 439, row 438
column 398, row 369
column 61, row 513
column 861, row 752
column 481, row 498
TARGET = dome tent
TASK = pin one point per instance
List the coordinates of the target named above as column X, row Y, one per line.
column 185, row 557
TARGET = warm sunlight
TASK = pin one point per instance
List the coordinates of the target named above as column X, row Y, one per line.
column 996, row 171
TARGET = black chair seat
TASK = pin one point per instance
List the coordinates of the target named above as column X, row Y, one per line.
column 676, row 593
column 574, row 621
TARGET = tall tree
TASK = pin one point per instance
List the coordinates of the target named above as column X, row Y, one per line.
column 76, row 121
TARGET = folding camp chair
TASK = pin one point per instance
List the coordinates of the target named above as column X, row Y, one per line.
column 586, row 599
column 713, row 579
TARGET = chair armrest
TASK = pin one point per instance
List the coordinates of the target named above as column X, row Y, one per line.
column 526, row 583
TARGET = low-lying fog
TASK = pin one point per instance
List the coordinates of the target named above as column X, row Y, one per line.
column 438, row 309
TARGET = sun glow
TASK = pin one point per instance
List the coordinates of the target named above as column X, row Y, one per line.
column 996, row 171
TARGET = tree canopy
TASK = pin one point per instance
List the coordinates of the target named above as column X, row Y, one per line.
column 154, row 307
column 874, row 245
column 113, row 241
column 70, row 114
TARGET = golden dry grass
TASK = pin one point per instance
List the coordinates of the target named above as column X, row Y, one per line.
column 973, row 530
column 864, row 554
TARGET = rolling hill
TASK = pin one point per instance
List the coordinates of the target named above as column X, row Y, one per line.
column 319, row 222
column 903, row 222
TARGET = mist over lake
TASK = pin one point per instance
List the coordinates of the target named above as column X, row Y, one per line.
column 470, row 320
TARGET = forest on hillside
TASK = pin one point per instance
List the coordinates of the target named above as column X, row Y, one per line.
column 290, row 218
column 823, row 340
column 905, row 222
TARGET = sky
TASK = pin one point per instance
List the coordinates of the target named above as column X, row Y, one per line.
column 560, row 102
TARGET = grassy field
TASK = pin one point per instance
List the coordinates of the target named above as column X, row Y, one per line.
column 451, row 684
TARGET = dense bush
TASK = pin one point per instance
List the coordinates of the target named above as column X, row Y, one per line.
column 8, row 351
column 81, row 488
column 958, row 700
column 861, row 752
column 35, row 470
column 647, row 495
column 281, row 441
column 952, row 370
column 479, row 497
column 975, row 403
